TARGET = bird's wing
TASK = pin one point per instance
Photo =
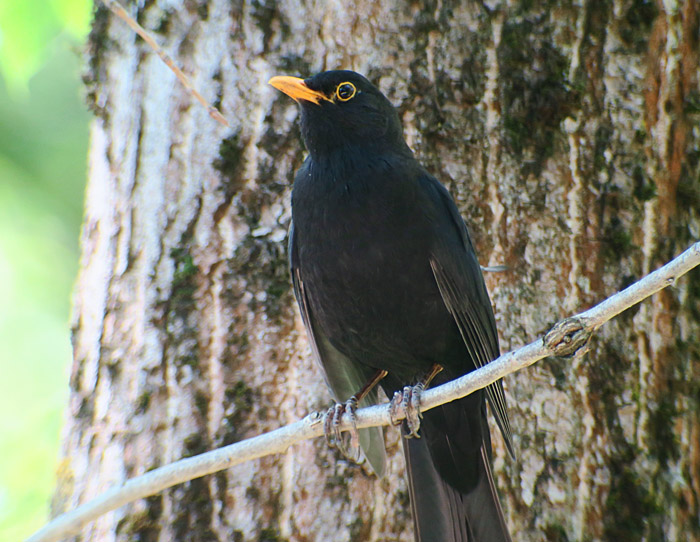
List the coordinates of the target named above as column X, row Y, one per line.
column 458, row 276
column 343, row 376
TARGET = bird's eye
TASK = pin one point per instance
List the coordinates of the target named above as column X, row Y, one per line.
column 345, row 91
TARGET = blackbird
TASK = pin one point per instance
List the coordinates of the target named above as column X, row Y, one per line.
column 389, row 285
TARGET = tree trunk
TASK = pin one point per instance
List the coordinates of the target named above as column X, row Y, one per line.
column 570, row 137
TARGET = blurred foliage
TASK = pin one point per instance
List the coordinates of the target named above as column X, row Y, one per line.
column 27, row 27
column 43, row 142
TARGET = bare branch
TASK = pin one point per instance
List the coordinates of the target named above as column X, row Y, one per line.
column 567, row 338
column 116, row 8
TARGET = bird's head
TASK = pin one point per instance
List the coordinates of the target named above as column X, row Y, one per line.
column 341, row 108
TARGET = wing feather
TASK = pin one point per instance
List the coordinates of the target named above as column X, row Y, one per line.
column 463, row 291
column 343, row 376
column 473, row 335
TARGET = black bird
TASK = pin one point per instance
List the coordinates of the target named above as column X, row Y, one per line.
column 387, row 280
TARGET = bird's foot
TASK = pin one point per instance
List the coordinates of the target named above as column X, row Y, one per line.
column 407, row 402
column 331, row 428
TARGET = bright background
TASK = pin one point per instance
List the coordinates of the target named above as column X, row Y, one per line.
column 43, row 145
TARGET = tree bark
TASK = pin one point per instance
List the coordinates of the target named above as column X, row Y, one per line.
column 570, row 137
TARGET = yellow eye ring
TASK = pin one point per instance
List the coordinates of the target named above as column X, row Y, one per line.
column 345, row 91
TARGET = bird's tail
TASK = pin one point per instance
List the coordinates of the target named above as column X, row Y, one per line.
column 442, row 513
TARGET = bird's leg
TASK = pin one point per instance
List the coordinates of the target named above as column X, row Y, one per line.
column 407, row 402
column 333, row 417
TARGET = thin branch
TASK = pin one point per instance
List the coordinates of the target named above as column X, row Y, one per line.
column 567, row 338
column 116, row 8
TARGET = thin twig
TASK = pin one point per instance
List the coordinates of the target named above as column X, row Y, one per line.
column 120, row 12
column 566, row 338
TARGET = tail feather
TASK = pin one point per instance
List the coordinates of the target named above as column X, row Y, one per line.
column 442, row 513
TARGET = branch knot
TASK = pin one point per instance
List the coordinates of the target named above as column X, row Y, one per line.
column 568, row 337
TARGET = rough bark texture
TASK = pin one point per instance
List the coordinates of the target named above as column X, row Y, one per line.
column 569, row 134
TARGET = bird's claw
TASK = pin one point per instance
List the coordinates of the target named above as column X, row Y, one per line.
column 332, row 421
column 407, row 402
column 330, row 424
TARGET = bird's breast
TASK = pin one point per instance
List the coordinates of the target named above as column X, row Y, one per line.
column 364, row 254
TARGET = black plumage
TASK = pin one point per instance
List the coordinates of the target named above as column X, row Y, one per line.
column 386, row 277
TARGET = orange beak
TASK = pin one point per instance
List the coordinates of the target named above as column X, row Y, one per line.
column 296, row 88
